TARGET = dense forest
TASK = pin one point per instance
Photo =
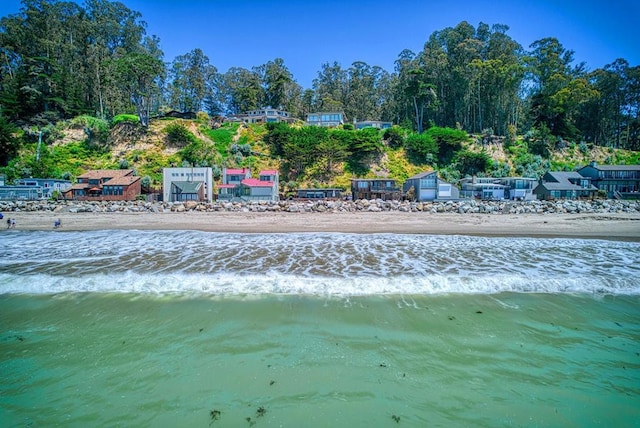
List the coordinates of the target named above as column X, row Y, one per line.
column 60, row 60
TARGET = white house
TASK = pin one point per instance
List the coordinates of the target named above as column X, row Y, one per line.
column 183, row 184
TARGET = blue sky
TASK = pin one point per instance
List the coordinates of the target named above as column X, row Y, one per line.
column 306, row 34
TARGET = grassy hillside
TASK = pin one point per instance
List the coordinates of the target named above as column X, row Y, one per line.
column 71, row 147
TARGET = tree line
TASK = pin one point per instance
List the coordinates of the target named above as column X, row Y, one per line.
column 59, row 60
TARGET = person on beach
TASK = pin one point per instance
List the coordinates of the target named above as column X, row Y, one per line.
column 57, row 223
column 8, row 223
column 13, row 223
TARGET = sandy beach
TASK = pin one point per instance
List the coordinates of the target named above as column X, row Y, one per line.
column 619, row 226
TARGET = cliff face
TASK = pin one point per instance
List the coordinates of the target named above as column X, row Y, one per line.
column 150, row 150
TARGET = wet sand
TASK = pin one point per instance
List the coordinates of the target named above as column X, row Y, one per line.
column 618, row 226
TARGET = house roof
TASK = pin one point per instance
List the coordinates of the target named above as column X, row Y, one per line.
column 122, row 181
column 373, row 179
column 562, row 181
column 78, row 186
column 226, row 186
column 269, row 172
column 421, row 175
column 325, row 112
column 614, row 167
column 319, row 189
column 188, row 186
column 254, row 182
column 236, row 171
column 106, row 173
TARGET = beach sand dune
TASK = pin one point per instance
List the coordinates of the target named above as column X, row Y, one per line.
column 618, row 226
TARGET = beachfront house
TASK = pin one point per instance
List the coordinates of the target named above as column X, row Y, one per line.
column 20, row 192
column 428, row 187
column 564, row 185
column 105, row 185
column 187, row 184
column 319, row 193
column 230, row 180
column 49, row 186
column 238, row 185
column 327, row 119
column 617, row 181
column 498, row 188
column 375, row 188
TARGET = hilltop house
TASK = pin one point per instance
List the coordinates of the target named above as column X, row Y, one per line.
column 264, row 115
column 564, row 185
column 327, row 119
column 372, row 124
column 187, row 184
column 428, row 187
column 621, row 181
column 105, row 185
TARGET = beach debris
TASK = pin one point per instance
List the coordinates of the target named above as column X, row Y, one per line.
column 272, row 382
column 618, row 324
column 20, row 338
column 250, row 421
column 201, row 330
column 478, row 312
column 215, row 415
column 261, row 411
column 383, row 365
column 451, row 317
column 396, row 418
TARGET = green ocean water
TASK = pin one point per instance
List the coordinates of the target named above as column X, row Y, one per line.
column 448, row 360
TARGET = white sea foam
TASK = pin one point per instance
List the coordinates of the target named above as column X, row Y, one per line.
column 314, row 264
column 231, row 284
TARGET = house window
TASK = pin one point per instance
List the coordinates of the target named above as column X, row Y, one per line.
column 428, row 182
column 363, row 185
column 445, row 190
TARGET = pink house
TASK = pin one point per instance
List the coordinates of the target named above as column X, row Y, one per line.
column 237, row 184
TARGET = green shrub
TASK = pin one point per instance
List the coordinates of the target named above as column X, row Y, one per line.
column 473, row 163
column 178, row 134
column 421, row 147
column 448, row 141
column 395, row 136
column 129, row 118
column 97, row 130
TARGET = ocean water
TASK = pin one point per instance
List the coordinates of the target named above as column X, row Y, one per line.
column 181, row 328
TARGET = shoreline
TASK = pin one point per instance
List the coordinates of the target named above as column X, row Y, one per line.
column 608, row 226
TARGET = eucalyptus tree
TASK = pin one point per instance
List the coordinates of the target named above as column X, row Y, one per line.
column 57, row 56
column 189, row 77
column 114, row 30
column 241, row 90
column 366, row 91
column 331, row 88
column 139, row 74
column 496, row 81
column 611, row 116
column 558, row 87
column 276, row 82
column 41, row 51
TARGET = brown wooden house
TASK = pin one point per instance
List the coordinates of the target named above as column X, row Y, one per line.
column 375, row 188
column 105, row 185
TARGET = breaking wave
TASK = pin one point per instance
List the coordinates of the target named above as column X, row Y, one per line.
column 324, row 264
